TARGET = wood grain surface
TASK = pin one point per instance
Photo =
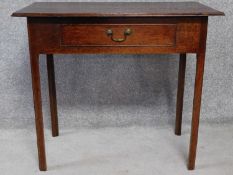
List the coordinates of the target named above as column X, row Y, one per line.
column 110, row 9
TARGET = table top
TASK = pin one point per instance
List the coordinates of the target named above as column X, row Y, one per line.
column 116, row 9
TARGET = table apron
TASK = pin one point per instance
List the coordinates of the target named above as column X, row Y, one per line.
column 146, row 36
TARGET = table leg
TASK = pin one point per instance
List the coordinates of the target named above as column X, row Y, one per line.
column 34, row 59
column 196, row 109
column 52, row 95
column 197, row 94
column 180, row 94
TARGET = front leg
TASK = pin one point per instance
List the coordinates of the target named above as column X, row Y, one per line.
column 197, row 95
column 34, row 59
column 196, row 110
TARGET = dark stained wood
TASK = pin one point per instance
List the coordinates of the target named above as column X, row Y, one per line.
column 163, row 28
column 38, row 109
column 52, row 95
column 36, row 88
column 119, row 9
column 180, row 94
column 197, row 96
column 141, row 35
column 51, row 37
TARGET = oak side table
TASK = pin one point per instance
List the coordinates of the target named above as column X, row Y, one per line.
column 116, row 28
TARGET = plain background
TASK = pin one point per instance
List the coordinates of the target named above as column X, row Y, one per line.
column 113, row 90
column 116, row 112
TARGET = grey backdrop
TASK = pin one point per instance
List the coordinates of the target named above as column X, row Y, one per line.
column 112, row 90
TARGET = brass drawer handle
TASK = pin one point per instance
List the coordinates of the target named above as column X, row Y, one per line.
column 127, row 32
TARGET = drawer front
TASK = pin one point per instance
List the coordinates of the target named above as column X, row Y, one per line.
column 160, row 35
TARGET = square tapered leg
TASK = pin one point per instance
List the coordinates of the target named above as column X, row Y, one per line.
column 38, row 109
column 52, row 95
column 180, row 93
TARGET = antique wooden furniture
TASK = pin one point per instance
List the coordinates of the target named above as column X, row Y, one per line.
column 116, row 28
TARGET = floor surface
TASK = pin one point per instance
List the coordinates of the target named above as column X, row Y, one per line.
column 118, row 151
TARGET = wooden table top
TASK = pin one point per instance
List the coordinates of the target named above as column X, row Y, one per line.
column 116, row 9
